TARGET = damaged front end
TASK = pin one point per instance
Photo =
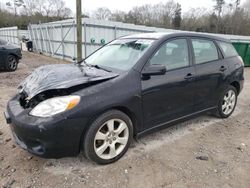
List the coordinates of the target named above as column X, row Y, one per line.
column 34, row 114
column 26, row 103
column 59, row 80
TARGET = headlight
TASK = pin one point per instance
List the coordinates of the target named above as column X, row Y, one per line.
column 54, row 106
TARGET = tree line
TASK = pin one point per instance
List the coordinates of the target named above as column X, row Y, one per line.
column 227, row 17
column 22, row 12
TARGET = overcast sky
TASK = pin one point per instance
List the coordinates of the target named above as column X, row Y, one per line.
column 126, row 5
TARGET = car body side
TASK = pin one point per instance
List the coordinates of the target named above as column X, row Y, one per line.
column 129, row 97
column 124, row 93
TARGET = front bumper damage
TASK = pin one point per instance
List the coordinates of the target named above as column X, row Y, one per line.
column 53, row 137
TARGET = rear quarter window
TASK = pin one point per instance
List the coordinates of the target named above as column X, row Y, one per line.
column 227, row 49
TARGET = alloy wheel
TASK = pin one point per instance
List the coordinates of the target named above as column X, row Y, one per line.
column 229, row 102
column 111, row 139
column 12, row 63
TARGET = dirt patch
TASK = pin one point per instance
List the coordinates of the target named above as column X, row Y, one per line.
column 203, row 152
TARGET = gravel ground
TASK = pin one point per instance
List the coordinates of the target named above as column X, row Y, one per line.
column 203, row 152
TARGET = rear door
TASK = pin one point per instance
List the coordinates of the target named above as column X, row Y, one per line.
column 210, row 71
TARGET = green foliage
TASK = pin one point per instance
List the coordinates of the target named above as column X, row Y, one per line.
column 22, row 12
column 219, row 5
column 22, row 21
column 226, row 18
column 232, row 18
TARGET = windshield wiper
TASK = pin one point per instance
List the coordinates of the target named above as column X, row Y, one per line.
column 98, row 67
column 89, row 65
column 84, row 62
column 80, row 62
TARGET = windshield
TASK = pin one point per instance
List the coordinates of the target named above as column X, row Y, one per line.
column 120, row 54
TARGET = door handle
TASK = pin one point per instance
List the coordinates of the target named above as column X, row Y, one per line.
column 189, row 76
column 223, row 68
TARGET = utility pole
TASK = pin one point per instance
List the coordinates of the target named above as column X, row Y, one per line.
column 14, row 4
column 79, row 29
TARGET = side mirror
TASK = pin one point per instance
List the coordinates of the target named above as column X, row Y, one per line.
column 153, row 70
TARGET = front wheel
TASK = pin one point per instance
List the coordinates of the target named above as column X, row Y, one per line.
column 227, row 102
column 108, row 137
column 12, row 63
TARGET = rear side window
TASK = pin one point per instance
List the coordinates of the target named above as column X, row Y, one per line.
column 228, row 49
column 204, row 51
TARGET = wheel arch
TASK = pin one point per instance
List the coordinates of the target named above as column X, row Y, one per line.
column 13, row 54
column 236, row 85
column 123, row 109
column 130, row 114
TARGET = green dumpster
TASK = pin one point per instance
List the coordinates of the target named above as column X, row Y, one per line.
column 244, row 51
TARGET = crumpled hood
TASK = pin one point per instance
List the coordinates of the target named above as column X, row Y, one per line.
column 61, row 76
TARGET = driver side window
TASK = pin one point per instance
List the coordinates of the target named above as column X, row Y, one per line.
column 173, row 54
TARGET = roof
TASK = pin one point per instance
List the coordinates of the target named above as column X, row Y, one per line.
column 156, row 35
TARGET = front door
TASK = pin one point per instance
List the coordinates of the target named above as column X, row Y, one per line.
column 170, row 96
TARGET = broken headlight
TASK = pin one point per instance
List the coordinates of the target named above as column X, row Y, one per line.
column 55, row 105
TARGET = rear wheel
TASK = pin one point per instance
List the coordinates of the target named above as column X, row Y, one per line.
column 108, row 137
column 12, row 63
column 227, row 102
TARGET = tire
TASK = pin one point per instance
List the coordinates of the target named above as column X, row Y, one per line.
column 104, row 144
column 223, row 105
column 11, row 63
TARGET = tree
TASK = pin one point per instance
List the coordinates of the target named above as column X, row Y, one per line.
column 102, row 13
column 17, row 4
column 213, row 22
column 218, row 7
column 228, row 18
column 196, row 19
column 236, row 21
column 48, row 8
column 33, row 12
column 237, row 4
column 158, row 15
column 118, row 16
column 176, row 22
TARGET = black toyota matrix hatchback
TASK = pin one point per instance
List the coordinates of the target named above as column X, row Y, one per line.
column 132, row 86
